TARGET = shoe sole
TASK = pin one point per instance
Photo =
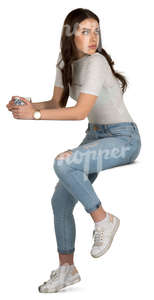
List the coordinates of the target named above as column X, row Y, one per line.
column 62, row 286
column 109, row 245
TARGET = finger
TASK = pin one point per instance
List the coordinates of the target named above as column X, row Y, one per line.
column 16, row 106
column 8, row 106
column 15, row 110
column 16, row 115
column 9, row 103
column 12, row 99
column 25, row 100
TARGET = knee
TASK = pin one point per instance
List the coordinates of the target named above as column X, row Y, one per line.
column 63, row 155
column 57, row 166
column 59, row 162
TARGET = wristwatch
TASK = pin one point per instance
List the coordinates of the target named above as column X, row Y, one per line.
column 37, row 115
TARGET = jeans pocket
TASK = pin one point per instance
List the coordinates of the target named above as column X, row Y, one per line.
column 121, row 131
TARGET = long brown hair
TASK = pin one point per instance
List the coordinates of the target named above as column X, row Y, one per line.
column 69, row 51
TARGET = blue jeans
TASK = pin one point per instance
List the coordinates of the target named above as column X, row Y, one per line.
column 104, row 147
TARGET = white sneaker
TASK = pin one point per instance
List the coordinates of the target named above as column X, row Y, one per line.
column 63, row 276
column 104, row 235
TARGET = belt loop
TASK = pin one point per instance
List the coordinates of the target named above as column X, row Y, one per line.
column 133, row 125
column 105, row 127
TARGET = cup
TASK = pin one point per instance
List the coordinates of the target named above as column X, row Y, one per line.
column 18, row 101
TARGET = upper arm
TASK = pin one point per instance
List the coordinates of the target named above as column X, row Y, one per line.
column 85, row 103
column 93, row 81
column 58, row 85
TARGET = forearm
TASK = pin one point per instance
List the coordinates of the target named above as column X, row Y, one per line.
column 43, row 105
column 66, row 113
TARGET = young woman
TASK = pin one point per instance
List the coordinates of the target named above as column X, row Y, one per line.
column 85, row 72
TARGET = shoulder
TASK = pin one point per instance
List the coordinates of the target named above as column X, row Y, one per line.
column 97, row 57
column 96, row 60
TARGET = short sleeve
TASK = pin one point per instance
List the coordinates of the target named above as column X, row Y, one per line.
column 95, row 73
column 58, row 78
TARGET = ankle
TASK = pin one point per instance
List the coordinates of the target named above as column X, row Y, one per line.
column 61, row 264
column 102, row 217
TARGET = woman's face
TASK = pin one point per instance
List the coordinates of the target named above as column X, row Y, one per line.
column 87, row 34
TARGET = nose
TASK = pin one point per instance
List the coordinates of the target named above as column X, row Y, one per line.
column 93, row 37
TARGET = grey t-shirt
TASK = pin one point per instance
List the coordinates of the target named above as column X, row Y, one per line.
column 92, row 74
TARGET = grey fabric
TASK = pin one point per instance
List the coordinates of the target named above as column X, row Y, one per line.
column 92, row 75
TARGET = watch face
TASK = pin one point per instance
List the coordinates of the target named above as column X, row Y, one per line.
column 37, row 115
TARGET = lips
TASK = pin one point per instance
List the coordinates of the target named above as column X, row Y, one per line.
column 92, row 46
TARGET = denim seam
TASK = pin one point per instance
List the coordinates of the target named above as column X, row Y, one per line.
column 65, row 229
column 94, row 208
column 65, row 234
column 66, row 251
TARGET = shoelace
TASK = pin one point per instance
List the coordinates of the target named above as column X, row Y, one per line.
column 53, row 276
column 97, row 235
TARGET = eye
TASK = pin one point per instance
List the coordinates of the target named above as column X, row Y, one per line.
column 97, row 30
column 85, row 31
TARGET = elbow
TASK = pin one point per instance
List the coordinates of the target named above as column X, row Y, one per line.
column 84, row 115
column 81, row 117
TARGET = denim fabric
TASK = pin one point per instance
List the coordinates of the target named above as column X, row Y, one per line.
column 104, row 147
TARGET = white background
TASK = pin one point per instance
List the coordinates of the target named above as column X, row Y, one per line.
column 30, row 43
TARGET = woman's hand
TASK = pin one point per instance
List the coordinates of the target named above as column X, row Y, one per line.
column 24, row 112
column 11, row 103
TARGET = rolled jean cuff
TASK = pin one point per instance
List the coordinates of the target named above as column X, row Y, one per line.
column 66, row 251
column 89, row 210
